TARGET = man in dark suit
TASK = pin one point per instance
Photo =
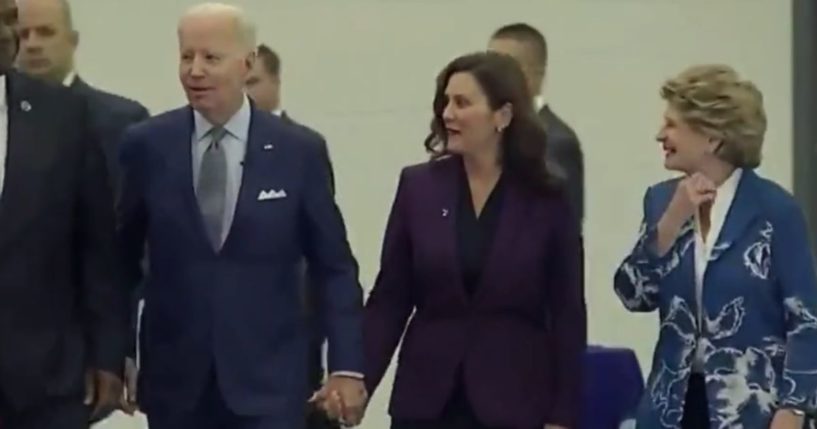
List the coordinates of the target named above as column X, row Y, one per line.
column 48, row 43
column 264, row 88
column 529, row 47
column 230, row 200
column 63, row 312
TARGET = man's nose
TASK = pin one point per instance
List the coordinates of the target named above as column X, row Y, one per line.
column 197, row 67
column 30, row 42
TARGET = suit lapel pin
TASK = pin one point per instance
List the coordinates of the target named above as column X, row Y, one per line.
column 445, row 212
column 268, row 146
column 25, row 105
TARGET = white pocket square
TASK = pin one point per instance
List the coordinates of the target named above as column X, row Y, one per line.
column 272, row 194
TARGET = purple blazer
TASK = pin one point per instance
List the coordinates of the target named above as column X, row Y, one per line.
column 519, row 339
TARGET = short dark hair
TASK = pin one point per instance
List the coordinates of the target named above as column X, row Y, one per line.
column 525, row 33
column 269, row 59
column 524, row 140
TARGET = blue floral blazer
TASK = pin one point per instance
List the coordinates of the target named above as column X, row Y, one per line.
column 759, row 329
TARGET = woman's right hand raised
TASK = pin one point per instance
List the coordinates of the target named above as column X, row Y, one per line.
column 691, row 193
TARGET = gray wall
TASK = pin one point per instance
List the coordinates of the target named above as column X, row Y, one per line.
column 804, row 81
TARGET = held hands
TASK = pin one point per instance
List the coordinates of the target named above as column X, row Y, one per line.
column 127, row 402
column 103, row 391
column 343, row 399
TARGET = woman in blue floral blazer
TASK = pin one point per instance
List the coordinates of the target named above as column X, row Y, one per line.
column 723, row 255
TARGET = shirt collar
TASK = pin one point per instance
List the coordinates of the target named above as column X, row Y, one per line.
column 278, row 112
column 69, row 78
column 724, row 196
column 539, row 102
column 3, row 93
column 729, row 187
column 238, row 125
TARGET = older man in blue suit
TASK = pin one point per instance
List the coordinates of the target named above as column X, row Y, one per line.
column 229, row 200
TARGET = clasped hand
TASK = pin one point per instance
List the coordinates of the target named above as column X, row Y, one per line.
column 343, row 399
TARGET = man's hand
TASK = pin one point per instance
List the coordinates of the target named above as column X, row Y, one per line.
column 786, row 419
column 128, row 399
column 102, row 391
column 343, row 399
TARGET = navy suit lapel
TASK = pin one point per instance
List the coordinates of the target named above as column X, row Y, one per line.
column 742, row 213
column 25, row 148
column 178, row 142
column 262, row 168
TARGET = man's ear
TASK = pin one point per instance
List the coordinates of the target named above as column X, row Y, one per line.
column 74, row 37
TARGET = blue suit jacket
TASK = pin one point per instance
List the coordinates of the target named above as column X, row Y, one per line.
column 238, row 311
column 759, row 307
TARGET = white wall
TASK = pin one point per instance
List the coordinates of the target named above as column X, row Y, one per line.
column 362, row 71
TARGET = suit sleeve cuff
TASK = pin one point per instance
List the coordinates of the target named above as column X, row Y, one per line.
column 349, row 374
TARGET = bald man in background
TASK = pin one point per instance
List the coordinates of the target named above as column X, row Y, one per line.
column 63, row 313
column 48, row 44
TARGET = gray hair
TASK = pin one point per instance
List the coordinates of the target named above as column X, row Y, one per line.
column 245, row 29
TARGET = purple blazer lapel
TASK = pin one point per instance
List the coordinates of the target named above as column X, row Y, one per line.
column 448, row 176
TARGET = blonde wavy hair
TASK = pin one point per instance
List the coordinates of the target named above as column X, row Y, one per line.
column 715, row 101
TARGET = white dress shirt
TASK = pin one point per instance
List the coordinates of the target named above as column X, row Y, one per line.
column 539, row 102
column 724, row 196
column 4, row 131
column 69, row 78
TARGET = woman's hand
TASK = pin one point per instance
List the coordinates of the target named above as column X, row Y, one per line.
column 692, row 192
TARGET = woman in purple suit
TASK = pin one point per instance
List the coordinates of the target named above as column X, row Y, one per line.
column 481, row 246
